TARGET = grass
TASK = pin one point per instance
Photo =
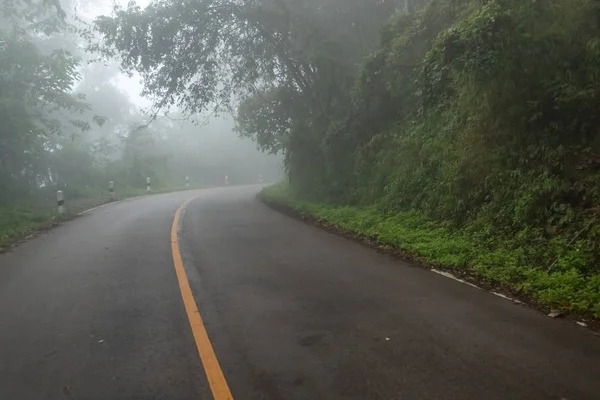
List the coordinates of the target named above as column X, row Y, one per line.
column 413, row 234
column 17, row 221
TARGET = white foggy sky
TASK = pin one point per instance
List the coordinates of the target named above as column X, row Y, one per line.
column 89, row 10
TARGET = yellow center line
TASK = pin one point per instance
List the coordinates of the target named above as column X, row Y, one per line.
column 216, row 379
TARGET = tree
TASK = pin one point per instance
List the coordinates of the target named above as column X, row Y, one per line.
column 36, row 102
column 287, row 64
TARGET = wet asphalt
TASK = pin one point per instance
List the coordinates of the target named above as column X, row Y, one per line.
column 93, row 310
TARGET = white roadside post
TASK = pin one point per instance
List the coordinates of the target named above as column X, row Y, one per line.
column 226, row 180
column 60, row 201
column 187, row 182
column 148, row 188
column 111, row 189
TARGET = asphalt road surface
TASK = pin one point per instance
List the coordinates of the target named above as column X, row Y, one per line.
column 94, row 309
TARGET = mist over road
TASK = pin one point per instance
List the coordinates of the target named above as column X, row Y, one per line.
column 94, row 310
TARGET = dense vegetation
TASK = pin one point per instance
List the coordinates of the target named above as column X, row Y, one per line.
column 476, row 118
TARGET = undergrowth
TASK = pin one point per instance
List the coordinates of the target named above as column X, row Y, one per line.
column 15, row 221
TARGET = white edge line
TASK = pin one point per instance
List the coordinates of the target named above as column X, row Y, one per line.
column 130, row 198
column 109, row 203
column 506, row 297
column 501, row 295
column 93, row 209
column 451, row 276
column 140, row 196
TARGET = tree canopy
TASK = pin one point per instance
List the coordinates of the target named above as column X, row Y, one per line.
column 36, row 101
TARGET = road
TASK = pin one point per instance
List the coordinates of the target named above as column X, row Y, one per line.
column 94, row 310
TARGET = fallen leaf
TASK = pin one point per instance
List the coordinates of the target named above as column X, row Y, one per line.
column 555, row 314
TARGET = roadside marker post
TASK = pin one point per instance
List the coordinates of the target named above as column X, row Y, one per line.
column 148, row 187
column 60, row 201
column 111, row 190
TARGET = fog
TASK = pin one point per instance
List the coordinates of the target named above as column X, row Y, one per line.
column 74, row 122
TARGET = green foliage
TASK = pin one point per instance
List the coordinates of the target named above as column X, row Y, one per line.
column 289, row 63
column 15, row 221
column 38, row 108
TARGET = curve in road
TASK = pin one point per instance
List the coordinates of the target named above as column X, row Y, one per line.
column 94, row 310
